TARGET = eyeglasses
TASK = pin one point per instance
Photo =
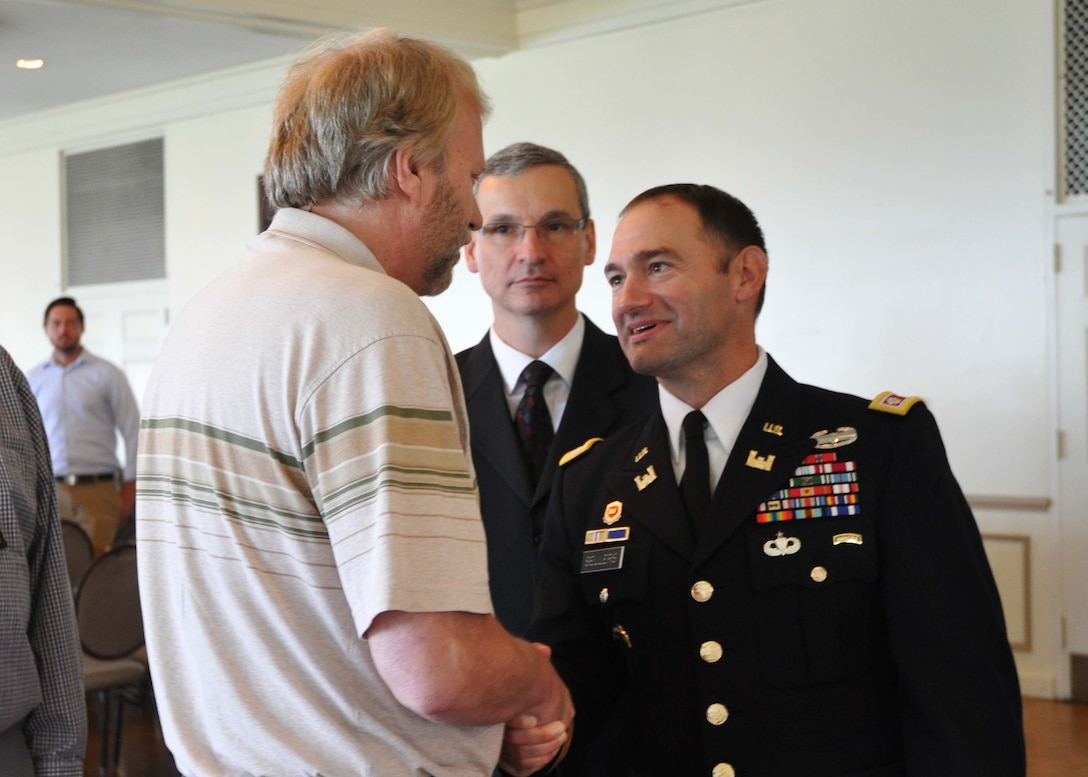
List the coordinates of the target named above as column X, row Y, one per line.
column 554, row 231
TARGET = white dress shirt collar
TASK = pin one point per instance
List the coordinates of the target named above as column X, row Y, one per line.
column 561, row 357
column 725, row 414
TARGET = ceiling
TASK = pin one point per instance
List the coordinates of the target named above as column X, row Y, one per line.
column 96, row 48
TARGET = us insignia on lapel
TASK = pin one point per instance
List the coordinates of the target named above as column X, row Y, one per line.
column 823, row 486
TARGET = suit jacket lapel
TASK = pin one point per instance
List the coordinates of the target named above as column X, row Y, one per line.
column 493, row 433
column 751, row 474
column 590, row 410
column 646, row 486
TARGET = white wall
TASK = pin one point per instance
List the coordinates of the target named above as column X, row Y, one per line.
column 897, row 153
column 211, row 166
column 215, row 130
column 894, row 153
column 30, row 272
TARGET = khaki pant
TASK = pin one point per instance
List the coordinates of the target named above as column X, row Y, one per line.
column 94, row 506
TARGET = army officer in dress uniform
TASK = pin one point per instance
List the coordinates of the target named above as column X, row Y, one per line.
column 788, row 579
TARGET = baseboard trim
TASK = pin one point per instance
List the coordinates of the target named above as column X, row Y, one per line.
column 1038, row 686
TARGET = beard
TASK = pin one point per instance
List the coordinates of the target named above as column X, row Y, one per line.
column 68, row 348
column 444, row 233
column 438, row 274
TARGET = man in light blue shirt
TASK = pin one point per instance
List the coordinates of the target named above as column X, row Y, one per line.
column 84, row 401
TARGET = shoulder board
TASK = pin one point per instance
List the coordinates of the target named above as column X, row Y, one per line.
column 570, row 456
column 887, row 402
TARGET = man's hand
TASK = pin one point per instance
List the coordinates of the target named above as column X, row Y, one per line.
column 528, row 747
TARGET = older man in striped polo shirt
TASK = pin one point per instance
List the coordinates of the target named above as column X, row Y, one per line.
column 312, row 562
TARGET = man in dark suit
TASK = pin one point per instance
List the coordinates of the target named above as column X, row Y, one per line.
column 536, row 240
column 827, row 609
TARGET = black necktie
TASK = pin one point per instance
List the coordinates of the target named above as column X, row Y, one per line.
column 533, row 421
column 695, row 484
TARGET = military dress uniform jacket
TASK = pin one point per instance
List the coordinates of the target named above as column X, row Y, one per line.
column 864, row 638
column 605, row 395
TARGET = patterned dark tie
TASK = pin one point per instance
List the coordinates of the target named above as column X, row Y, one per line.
column 533, row 421
column 695, row 484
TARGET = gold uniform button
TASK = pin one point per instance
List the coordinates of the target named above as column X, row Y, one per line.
column 603, row 595
column 710, row 651
column 702, row 591
column 724, row 770
column 819, row 574
column 716, row 714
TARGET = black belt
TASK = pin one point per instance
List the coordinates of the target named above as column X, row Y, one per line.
column 82, row 480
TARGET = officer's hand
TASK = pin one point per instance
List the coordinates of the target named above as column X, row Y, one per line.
column 528, row 747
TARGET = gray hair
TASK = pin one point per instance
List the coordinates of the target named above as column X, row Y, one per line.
column 516, row 158
column 350, row 102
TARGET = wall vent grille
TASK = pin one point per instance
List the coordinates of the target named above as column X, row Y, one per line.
column 114, row 213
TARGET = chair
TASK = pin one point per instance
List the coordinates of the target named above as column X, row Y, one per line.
column 125, row 534
column 111, row 629
column 78, row 549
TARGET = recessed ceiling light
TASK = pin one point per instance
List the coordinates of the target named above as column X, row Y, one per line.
column 29, row 64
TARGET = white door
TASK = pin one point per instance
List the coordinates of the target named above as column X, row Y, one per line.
column 1072, row 309
column 125, row 323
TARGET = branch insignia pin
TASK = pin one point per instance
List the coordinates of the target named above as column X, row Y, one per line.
column 755, row 461
column 647, row 478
